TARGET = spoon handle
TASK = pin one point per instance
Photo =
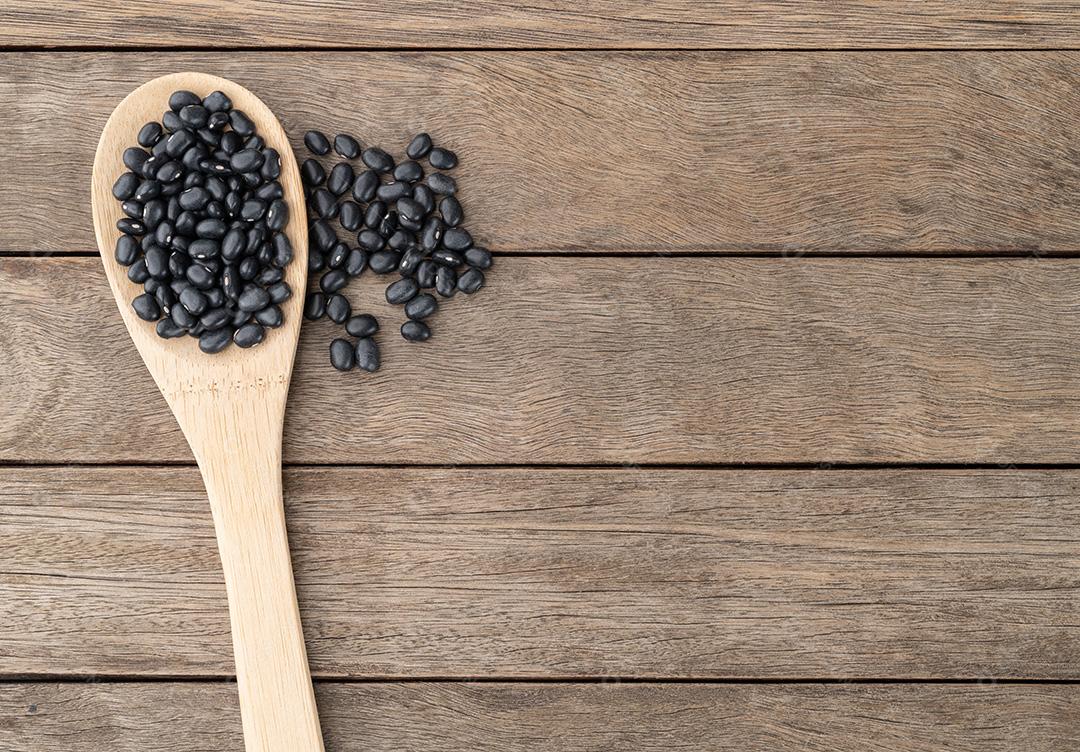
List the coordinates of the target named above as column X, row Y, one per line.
column 277, row 700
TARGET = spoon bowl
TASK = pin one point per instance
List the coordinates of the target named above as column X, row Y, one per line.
column 231, row 408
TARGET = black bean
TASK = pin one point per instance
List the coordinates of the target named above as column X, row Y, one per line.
column 132, row 208
column 194, row 199
column 137, row 272
column 410, row 260
column 181, row 316
column 164, row 295
column 389, row 225
column 217, row 101
column 341, row 177
column 246, row 160
column 384, row 262
column 441, row 183
column 408, row 172
column 367, row 182
column 193, row 301
column 215, row 318
column 252, row 298
column 338, row 308
column 127, row 250
column 157, row 262
column 230, row 283
column 363, row 325
column 316, row 142
column 446, row 257
column 248, row 335
column 134, row 158
column 270, row 317
column 450, row 208
column 149, row 134
column 442, row 159
column 325, row 203
column 256, row 236
column 333, row 280
column 342, row 354
column 153, row 213
column 216, row 187
column 367, row 355
column 215, row 340
column 421, row 306
column 130, row 226
column 125, row 185
column 369, row 240
column 323, row 235
column 415, row 331
column 410, row 209
column 346, row 146
column 248, row 269
column 431, row 234
column 401, row 291
column 217, row 121
column 178, row 264
column 146, row 307
column 337, row 256
column 377, row 159
column 446, row 281
column 312, row 173
column 355, row 262
column 314, row 306
column 180, row 99
column 279, row 292
column 194, row 115
column 419, row 147
column 316, row 260
column 269, row 276
column 202, row 248
column 206, row 136
column 351, row 216
column 168, row 329
column 478, row 258
column 185, row 224
column 277, row 214
column 400, row 240
column 243, row 125
column 422, row 195
column 425, row 273
column 391, row 192
column 282, row 250
column 233, row 244
column 271, row 168
column 252, row 210
column 457, row 239
column 240, row 318
column 179, row 142
column 170, row 121
column 269, row 191
column 211, row 228
column 374, row 214
column 471, row 281
column 149, row 189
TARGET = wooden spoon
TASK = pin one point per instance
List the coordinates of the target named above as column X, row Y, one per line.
column 231, row 407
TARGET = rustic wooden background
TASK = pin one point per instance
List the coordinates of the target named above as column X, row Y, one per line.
column 763, row 436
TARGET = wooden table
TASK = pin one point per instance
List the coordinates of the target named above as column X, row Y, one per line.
column 763, row 435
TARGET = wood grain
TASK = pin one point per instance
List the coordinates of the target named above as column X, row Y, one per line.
column 547, row 23
column 608, row 360
column 562, row 573
column 434, row 716
column 670, row 152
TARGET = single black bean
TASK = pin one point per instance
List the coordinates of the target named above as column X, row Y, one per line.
column 270, row 317
column 252, row 298
column 193, row 301
column 478, row 258
column 186, row 223
column 192, row 158
column 277, row 214
column 215, row 340
column 323, row 234
column 211, row 228
column 233, row 244
column 457, row 239
column 271, row 169
column 342, row 354
column 312, row 173
column 443, row 159
column 194, row 116
column 279, row 292
column 269, row 276
column 351, row 216
column 149, row 134
column 230, row 282
column 407, row 207
column 178, row 264
column 208, row 137
column 400, row 240
column 451, row 211
column 425, row 274
column 369, row 240
column 242, row 124
column 181, row 99
column 338, row 308
column 195, row 199
column 168, row 329
column 181, row 316
column 422, row 195
column 217, row 101
column 315, row 306
column 132, row 208
column 127, row 250
column 377, row 159
column 431, row 234
column 215, row 318
column 171, row 189
column 170, row 121
column 216, row 187
column 146, row 307
column 157, row 262
column 390, row 192
column 384, row 262
column 471, row 281
column 248, row 335
column 355, row 262
column 252, row 210
column 130, row 226
column 446, row 257
column 410, row 260
column 240, row 318
column 269, row 191
column 248, row 269
column 153, row 213
column 164, row 295
column 282, row 250
column 125, row 185
column 365, row 185
column 325, row 203
column 337, row 256
column 230, row 144
column 333, row 280
column 134, row 158
column 415, row 331
column 202, row 248
column 389, row 225
column 367, row 355
column 346, row 146
column 363, row 325
column 316, row 260
column 137, row 271
column 408, row 172
column 341, row 177
column 402, row 291
column 441, row 183
column 217, row 121
column 149, row 189
column 374, row 214
column 419, row 147
column 421, row 306
column 316, row 142
column 246, row 160
column 179, row 142
column 446, row 281
column 256, row 235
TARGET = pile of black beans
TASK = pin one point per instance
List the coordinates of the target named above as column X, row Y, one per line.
column 204, row 226
column 405, row 221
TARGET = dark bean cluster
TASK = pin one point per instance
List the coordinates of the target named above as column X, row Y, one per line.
column 404, row 220
column 204, row 226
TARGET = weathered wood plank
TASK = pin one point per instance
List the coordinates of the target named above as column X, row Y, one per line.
column 871, row 152
column 492, row 716
column 562, row 573
column 608, row 360
column 547, row 23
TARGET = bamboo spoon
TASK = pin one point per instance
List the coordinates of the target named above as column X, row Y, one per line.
column 230, row 407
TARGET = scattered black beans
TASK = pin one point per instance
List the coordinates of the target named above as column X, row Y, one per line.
column 204, row 225
column 409, row 222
